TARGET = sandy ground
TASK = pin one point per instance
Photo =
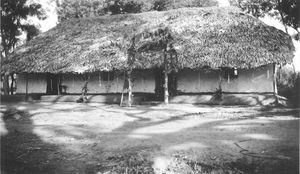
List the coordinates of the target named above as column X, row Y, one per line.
column 181, row 138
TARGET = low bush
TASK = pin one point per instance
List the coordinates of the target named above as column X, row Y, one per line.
column 288, row 84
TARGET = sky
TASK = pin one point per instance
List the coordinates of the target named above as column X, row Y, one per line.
column 52, row 21
column 52, row 18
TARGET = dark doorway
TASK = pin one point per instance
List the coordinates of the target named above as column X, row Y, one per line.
column 53, row 84
column 159, row 84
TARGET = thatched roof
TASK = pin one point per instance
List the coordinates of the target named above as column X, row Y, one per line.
column 201, row 37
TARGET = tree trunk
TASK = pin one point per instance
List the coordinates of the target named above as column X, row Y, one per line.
column 274, row 79
column 58, row 84
column 166, row 90
column 6, row 75
column 129, row 88
column 275, row 84
column 6, row 84
column 282, row 19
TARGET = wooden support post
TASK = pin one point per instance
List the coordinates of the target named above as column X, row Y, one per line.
column 129, row 88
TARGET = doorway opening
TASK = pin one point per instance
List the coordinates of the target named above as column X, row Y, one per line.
column 53, row 84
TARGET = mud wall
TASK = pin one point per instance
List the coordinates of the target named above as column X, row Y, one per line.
column 248, row 80
column 192, row 81
column 36, row 83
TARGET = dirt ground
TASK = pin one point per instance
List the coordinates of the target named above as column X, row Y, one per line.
column 96, row 138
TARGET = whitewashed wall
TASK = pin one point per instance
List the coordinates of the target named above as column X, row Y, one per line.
column 251, row 80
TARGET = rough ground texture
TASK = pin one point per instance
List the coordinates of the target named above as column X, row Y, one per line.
column 97, row 138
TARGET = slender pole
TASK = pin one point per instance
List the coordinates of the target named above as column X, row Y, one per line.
column 129, row 88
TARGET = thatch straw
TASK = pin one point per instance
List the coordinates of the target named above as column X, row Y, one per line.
column 213, row 37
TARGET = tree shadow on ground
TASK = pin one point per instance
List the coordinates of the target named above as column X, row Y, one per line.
column 131, row 153
column 21, row 150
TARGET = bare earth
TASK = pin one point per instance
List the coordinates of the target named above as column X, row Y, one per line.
column 96, row 138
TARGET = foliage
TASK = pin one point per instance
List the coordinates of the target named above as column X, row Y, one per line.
column 89, row 8
column 122, row 6
column 161, row 5
column 114, row 6
column 285, row 10
column 68, row 9
column 288, row 83
column 31, row 31
column 289, row 11
column 257, row 8
column 132, row 7
column 12, row 14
